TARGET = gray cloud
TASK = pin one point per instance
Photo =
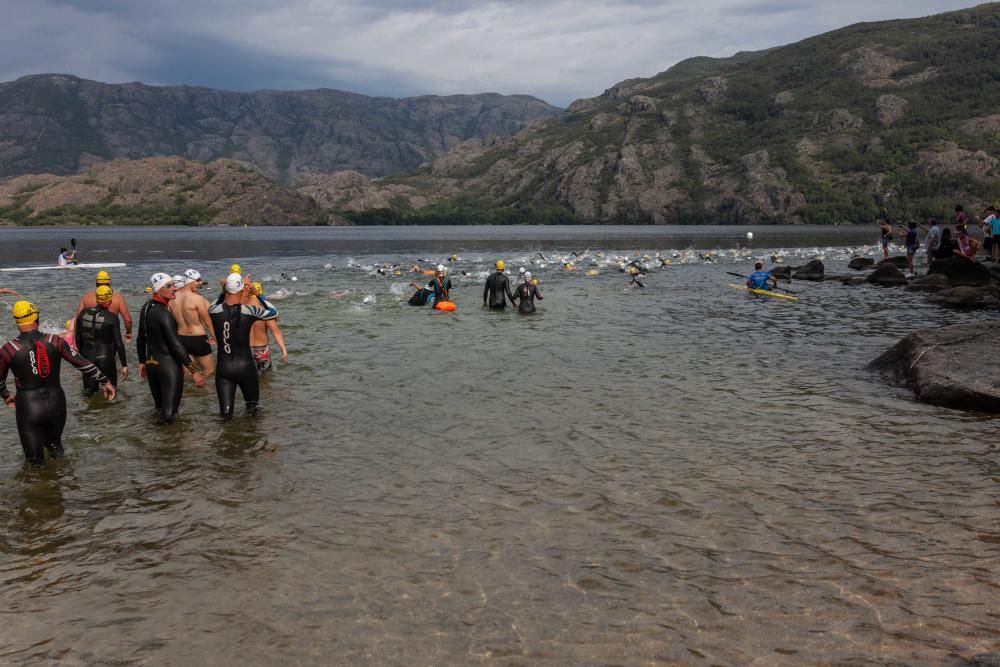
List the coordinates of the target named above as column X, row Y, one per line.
column 555, row 49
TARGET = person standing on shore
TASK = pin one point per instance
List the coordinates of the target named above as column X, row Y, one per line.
column 912, row 244
column 40, row 403
column 117, row 305
column 162, row 356
column 961, row 219
column 886, row 228
column 932, row 240
column 991, row 240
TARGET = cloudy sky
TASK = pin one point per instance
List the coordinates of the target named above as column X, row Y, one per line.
column 558, row 50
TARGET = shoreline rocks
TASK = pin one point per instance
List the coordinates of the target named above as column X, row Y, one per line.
column 949, row 366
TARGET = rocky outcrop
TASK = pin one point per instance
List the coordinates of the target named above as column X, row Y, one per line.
column 982, row 125
column 961, row 273
column 947, row 366
column 929, row 283
column 950, row 159
column 160, row 190
column 859, row 263
column 890, row 108
column 61, row 124
column 811, row 270
column 878, row 69
column 897, row 260
column 968, row 297
column 887, row 275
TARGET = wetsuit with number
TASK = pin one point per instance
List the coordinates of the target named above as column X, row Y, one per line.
column 99, row 338
column 497, row 291
column 40, row 404
column 235, row 364
column 165, row 358
column 525, row 295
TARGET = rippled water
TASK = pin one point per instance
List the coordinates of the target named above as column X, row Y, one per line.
column 676, row 475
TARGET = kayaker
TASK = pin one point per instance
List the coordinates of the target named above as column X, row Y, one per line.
column 67, row 257
column 761, row 279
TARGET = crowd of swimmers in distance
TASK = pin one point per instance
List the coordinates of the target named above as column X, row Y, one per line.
column 496, row 292
column 942, row 243
column 176, row 329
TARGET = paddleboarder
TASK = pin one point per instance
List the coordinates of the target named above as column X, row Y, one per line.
column 40, row 404
column 117, row 305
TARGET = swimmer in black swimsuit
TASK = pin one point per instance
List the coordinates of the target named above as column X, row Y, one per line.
column 99, row 338
column 235, row 366
column 40, row 404
column 526, row 293
column 497, row 289
column 162, row 357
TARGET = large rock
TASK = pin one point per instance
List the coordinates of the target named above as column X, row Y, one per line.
column 899, row 261
column 947, row 366
column 887, row 275
column 961, row 272
column 929, row 283
column 781, row 271
column 811, row 270
column 968, row 297
column 859, row 263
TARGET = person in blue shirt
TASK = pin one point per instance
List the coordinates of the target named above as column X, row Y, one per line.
column 761, row 279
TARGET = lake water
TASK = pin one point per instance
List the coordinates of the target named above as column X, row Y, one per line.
column 673, row 475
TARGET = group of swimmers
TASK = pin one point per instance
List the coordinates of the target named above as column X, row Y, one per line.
column 942, row 243
column 176, row 329
column 495, row 293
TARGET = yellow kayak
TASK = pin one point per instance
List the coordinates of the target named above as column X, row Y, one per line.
column 765, row 292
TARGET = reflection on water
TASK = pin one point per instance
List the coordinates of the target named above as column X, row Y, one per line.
column 679, row 474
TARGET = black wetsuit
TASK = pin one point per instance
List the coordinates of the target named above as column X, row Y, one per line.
column 165, row 358
column 35, row 360
column 526, row 293
column 99, row 339
column 236, row 366
column 497, row 291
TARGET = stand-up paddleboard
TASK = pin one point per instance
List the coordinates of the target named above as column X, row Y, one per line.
column 101, row 265
column 764, row 292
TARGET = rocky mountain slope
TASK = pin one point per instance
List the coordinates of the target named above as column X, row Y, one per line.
column 158, row 191
column 898, row 118
column 61, row 125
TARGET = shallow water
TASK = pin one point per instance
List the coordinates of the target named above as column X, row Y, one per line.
column 675, row 475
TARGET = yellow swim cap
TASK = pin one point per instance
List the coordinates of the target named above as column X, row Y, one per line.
column 258, row 288
column 24, row 312
column 69, row 325
column 104, row 294
column 500, row 265
column 103, row 278
column 235, row 268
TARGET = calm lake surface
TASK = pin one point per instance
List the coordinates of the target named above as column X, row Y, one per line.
column 673, row 475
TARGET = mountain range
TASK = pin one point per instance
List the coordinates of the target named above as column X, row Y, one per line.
column 897, row 118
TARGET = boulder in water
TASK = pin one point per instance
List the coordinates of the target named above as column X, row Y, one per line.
column 947, row 366
column 887, row 275
column 962, row 272
column 967, row 296
column 899, row 261
column 929, row 283
column 811, row 270
column 859, row 263
column 781, row 271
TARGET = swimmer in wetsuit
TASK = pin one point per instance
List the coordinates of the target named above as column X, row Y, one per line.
column 98, row 337
column 117, row 306
column 40, row 404
column 232, row 321
column 526, row 293
column 162, row 357
column 497, row 289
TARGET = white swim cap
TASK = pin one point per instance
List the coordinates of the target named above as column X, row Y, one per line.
column 521, row 270
column 180, row 281
column 527, row 275
column 160, row 280
column 193, row 276
column 440, row 268
column 750, row 235
column 234, row 283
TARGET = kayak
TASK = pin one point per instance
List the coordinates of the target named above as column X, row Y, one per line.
column 765, row 292
column 101, row 265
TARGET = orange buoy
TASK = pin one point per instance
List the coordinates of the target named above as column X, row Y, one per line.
column 447, row 306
